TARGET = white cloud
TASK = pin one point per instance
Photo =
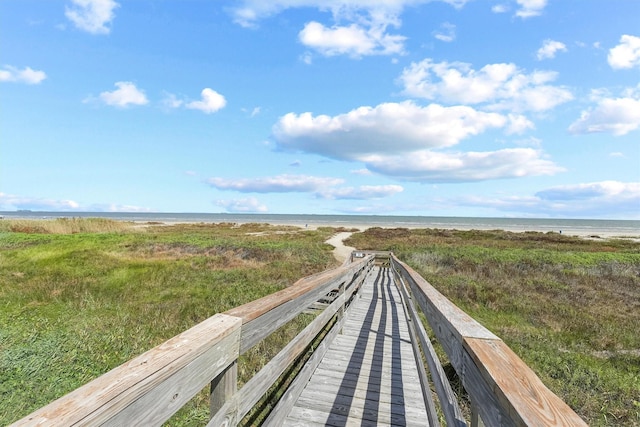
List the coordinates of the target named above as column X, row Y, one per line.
column 530, row 8
column 211, row 102
column 431, row 166
column 364, row 192
column 359, row 29
column 446, row 32
column 114, row 207
column 127, row 94
column 275, row 184
column 626, row 54
column 250, row 204
column 500, row 86
column 618, row 116
column 170, row 101
column 400, row 140
column 363, row 172
column 249, row 12
column 500, row 8
column 604, row 199
column 11, row 202
column 387, row 128
column 353, row 40
column 518, row 124
column 92, row 16
column 549, row 49
column 27, row 75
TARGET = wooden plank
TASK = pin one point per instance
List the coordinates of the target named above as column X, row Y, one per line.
column 257, row 308
column 364, row 409
column 155, row 382
column 223, row 388
column 264, row 379
column 384, row 395
column 262, row 317
column 287, row 401
column 517, row 387
column 505, row 390
column 368, row 375
column 448, row 399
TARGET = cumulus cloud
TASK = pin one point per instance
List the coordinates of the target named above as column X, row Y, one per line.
column 353, row 40
column 247, row 205
column 275, row 184
column 431, row 166
column 626, row 54
column 360, row 26
column 125, row 95
column 530, row 8
column 27, row 75
column 211, row 102
column 387, row 128
column 93, row 16
column 549, row 49
column 617, row 116
column 364, row 192
column 499, row 86
column 446, row 32
column 402, row 141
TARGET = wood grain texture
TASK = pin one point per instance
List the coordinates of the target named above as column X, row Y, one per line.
column 168, row 373
column 504, row 389
column 368, row 376
column 517, row 387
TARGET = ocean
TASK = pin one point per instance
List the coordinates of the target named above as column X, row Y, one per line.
column 582, row 227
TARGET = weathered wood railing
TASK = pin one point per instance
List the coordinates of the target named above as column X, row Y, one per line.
column 503, row 390
column 149, row 389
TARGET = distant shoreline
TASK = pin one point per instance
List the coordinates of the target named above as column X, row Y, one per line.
column 602, row 228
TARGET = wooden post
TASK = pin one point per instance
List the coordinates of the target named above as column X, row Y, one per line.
column 476, row 421
column 223, row 387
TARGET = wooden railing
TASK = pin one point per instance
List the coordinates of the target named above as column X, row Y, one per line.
column 503, row 390
column 149, row 389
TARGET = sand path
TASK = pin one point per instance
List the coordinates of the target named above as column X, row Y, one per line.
column 340, row 251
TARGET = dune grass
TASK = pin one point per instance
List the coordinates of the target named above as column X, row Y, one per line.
column 569, row 307
column 74, row 306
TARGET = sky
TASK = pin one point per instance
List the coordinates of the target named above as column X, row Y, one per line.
column 489, row 108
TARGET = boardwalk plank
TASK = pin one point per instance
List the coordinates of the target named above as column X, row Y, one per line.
column 368, row 376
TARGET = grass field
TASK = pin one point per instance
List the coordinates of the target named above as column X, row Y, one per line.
column 75, row 304
column 79, row 297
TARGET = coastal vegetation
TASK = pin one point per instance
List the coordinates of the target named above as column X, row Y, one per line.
column 81, row 296
column 76, row 304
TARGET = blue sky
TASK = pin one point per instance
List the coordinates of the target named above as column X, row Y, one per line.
column 505, row 108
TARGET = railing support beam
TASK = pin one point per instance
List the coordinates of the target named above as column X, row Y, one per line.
column 223, row 387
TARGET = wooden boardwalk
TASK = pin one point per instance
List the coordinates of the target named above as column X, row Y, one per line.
column 368, row 377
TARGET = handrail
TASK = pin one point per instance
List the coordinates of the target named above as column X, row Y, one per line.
column 502, row 388
column 150, row 388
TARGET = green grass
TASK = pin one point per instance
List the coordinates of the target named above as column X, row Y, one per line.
column 74, row 306
column 569, row 307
